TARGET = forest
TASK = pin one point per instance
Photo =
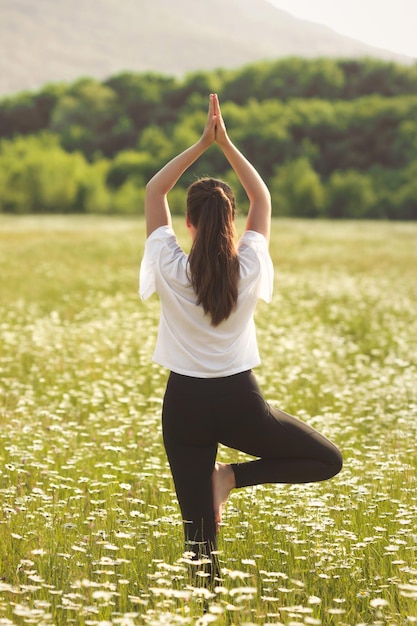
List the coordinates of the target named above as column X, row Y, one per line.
column 332, row 138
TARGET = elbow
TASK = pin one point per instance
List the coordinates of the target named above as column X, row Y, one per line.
column 153, row 189
column 149, row 185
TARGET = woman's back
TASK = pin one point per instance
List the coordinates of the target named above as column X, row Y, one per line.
column 188, row 343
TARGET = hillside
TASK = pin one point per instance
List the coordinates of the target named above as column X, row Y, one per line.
column 57, row 40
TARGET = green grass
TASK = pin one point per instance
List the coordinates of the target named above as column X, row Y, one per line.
column 90, row 531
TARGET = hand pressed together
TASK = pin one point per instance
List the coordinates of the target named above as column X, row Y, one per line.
column 215, row 129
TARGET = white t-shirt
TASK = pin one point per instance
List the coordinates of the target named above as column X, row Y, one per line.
column 187, row 342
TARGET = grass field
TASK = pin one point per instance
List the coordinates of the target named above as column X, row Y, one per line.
column 90, row 531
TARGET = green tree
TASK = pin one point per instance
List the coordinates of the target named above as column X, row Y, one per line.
column 349, row 194
column 246, row 83
column 295, row 77
column 144, row 98
column 373, row 76
column 127, row 165
column 261, row 131
column 372, row 132
column 297, row 190
column 129, row 199
column 404, row 145
column 406, row 195
column 157, row 146
column 86, row 116
column 37, row 175
column 195, row 86
column 93, row 194
column 27, row 113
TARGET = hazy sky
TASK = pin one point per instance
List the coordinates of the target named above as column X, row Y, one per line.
column 389, row 24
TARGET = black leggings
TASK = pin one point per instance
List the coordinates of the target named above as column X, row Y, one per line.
column 199, row 413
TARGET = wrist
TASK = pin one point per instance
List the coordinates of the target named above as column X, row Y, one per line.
column 204, row 142
column 224, row 142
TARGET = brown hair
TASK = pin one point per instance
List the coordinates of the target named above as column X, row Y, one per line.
column 213, row 259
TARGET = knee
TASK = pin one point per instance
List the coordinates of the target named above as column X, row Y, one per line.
column 335, row 462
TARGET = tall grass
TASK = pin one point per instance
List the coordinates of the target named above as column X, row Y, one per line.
column 90, row 531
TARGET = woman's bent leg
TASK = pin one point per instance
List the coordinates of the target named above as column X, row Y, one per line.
column 290, row 451
column 301, row 455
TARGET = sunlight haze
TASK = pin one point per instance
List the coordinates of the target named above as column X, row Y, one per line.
column 388, row 25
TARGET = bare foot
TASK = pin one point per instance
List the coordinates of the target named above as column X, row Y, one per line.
column 223, row 481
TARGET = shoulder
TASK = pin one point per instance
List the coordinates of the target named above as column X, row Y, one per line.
column 164, row 251
column 163, row 233
column 162, row 239
column 253, row 240
column 162, row 256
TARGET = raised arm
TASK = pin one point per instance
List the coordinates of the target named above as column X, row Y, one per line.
column 157, row 211
column 259, row 215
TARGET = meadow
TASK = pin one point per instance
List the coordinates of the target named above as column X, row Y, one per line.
column 90, row 531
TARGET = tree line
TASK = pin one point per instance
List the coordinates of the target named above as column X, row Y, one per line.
column 332, row 138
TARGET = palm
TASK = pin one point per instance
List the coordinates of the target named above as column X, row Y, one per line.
column 220, row 132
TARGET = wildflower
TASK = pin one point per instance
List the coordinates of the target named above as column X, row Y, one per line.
column 314, row 600
column 377, row 603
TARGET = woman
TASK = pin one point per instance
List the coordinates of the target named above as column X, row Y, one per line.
column 207, row 340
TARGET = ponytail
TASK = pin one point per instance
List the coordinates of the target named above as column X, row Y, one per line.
column 213, row 260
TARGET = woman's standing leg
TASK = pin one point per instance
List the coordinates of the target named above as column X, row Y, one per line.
column 191, row 454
